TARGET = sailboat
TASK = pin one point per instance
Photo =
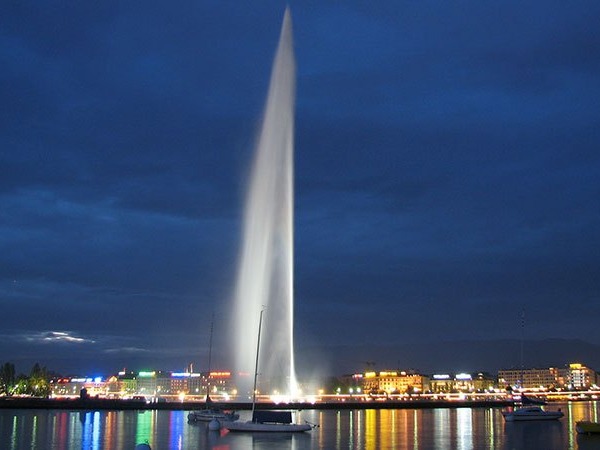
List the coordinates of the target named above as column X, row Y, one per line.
column 267, row 421
column 210, row 413
column 522, row 411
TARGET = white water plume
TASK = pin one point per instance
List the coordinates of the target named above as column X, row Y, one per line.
column 265, row 274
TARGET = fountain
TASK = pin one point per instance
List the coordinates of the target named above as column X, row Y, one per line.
column 265, row 273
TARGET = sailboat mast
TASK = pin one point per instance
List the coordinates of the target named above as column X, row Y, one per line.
column 212, row 324
column 256, row 364
column 522, row 343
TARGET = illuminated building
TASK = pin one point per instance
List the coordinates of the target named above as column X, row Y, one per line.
column 220, row 382
column 461, row 382
column 178, row 383
column 575, row 376
column 581, row 377
column 484, row 382
column 72, row 386
column 127, row 383
column 441, row 383
column 146, row 383
column 196, row 386
column 163, row 384
column 394, row 382
column 549, row 377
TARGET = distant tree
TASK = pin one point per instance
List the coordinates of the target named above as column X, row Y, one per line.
column 38, row 383
column 21, row 386
column 7, row 378
column 37, row 371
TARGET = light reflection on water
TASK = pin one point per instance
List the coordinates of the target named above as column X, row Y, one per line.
column 439, row 429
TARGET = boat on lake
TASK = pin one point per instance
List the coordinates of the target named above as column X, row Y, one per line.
column 210, row 413
column 270, row 421
column 267, row 421
column 587, row 427
column 530, row 413
column 206, row 415
column 525, row 400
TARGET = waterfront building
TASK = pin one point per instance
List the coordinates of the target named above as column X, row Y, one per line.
column 394, row 382
column 441, row 383
column 580, row 377
column 126, row 383
column 197, row 384
column 461, row 382
column 188, row 383
column 146, row 383
column 72, row 386
column 575, row 376
column 164, row 381
column 532, row 378
column 112, row 386
column 180, row 383
column 484, row 382
column 220, row 383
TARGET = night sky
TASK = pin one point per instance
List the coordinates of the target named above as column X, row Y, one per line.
column 447, row 175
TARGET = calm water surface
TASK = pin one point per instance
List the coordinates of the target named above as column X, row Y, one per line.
column 443, row 429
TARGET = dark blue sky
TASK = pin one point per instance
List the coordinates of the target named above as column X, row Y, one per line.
column 447, row 173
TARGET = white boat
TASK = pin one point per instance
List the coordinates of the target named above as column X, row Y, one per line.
column 206, row 415
column 270, row 421
column 531, row 413
column 267, row 421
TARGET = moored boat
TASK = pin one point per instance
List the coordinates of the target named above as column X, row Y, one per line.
column 270, row 421
column 587, row 427
column 210, row 413
column 532, row 401
column 531, row 413
column 206, row 415
column 267, row 421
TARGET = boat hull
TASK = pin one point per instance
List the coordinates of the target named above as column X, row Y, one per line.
column 531, row 414
column 268, row 427
column 586, row 427
column 209, row 415
column 531, row 418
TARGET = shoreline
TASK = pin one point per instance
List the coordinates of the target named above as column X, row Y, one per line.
column 112, row 404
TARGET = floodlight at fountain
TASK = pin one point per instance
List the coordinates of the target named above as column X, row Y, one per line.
column 265, row 274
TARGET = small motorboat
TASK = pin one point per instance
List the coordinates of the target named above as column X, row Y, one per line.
column 587, row 427
column 531, row 413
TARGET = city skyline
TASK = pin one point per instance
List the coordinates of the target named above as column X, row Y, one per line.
column 459, row 359
column 224, row 384
column 447, row 177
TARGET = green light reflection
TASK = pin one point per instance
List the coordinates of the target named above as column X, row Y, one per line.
column 144, row 429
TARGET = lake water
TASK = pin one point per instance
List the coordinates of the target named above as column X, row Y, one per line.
column 443, row 429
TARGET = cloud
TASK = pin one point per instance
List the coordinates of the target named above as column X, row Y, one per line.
column 53, row 337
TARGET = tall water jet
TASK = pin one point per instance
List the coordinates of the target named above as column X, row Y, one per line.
column 265, row 277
